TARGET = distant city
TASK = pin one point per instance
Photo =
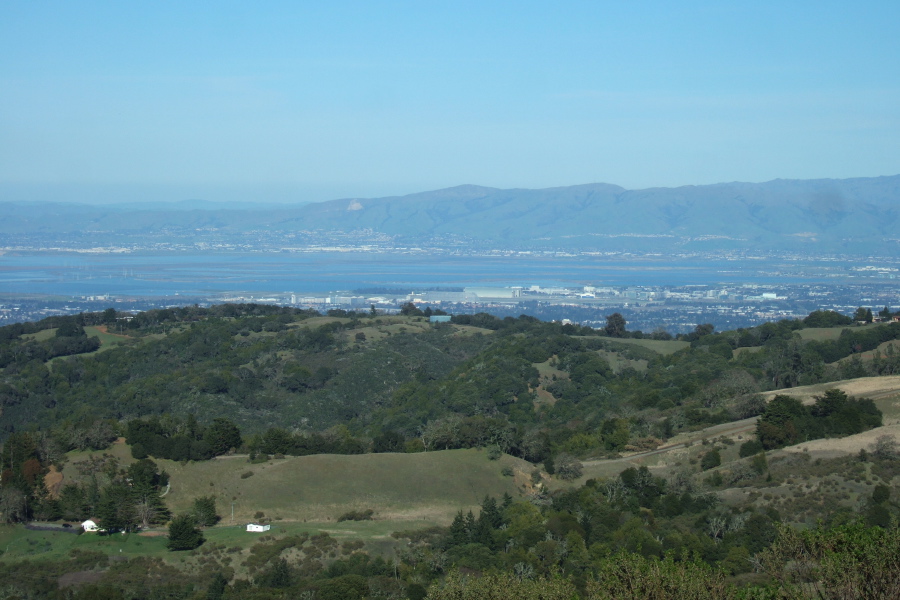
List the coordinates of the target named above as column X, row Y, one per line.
column 675, row 309
column 45, row 273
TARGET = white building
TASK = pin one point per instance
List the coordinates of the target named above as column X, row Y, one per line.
column 91, row 525
column 257, row 527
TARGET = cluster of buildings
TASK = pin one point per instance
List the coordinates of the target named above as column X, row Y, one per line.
column 674, row 308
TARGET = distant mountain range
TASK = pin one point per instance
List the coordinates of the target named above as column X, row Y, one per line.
column 824, row 215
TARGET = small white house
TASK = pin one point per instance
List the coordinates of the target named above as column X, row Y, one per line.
column 91, row 525
column 258, row 527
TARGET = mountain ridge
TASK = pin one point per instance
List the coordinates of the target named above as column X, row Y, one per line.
column 839, row 215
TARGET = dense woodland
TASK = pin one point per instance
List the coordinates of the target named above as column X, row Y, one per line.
column 191, row 383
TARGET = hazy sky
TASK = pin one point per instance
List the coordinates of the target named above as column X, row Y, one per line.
column 317, row 100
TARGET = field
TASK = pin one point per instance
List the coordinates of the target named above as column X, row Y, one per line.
column 400, row 487
column 680, row 450
column 823, row 334
column 870, row 387
column 663, row 347
column 870, row 354
column 18, row 542
column 298, row 494
column 410, row 488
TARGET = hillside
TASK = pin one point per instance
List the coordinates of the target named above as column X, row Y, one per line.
column 386, row 452
column 833, row 216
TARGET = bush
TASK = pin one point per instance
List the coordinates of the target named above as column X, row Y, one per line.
column 204, row 511
column 357, row 515
column 759, row 463
column 750, row 448
column 246, row 474
column 568, row 467
column 710, row 460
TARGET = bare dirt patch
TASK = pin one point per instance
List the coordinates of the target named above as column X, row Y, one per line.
column 53, row 481
column 105, row 329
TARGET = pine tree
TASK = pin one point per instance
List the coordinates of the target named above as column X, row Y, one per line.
column 491, row 513
column 184, row 534
column 470, row 526
column 458, row 534
column 204, row 511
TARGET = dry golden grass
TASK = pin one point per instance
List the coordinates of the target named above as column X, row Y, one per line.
column 869, row 387
column 852, row 444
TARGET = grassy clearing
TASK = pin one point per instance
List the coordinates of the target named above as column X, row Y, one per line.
column 118, row 450
column 659, row 346
column 872, row 387
column 297, row 494
column 822, row 334
column 464, row 330
column 106, row 338
column 424, row 488
column 19, row 543
column 870, row 354
column 737, row 352
column 684, row 450
column 548, row 371
column 41, row 336
column 617, row 362
column 377, row 332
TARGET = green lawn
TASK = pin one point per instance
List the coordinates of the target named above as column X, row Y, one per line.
column 18, row 542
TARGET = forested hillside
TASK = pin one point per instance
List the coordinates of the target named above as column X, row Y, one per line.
column 447, row 385
column 557, row 411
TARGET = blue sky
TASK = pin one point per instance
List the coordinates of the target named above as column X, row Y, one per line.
column 303, row 101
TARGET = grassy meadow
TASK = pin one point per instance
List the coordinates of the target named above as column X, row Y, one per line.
column 663, row 347
column 408, row 490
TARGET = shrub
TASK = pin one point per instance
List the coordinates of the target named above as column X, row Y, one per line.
column 568, row 467
column 246, row 474
column 759, row 463
column 710, row 460
column 357, row 515
column 750, row 448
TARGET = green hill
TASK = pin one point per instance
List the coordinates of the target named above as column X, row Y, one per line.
column 427, row 487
